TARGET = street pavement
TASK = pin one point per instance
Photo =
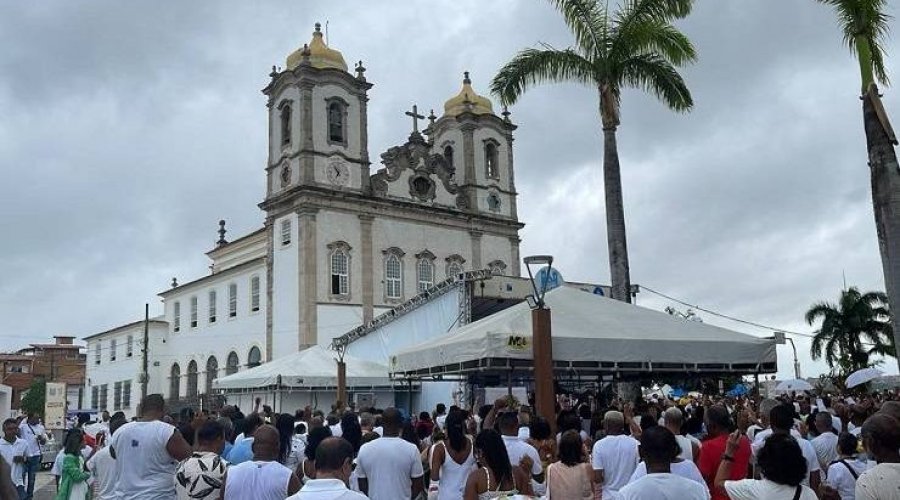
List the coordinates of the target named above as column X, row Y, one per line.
column 44, row 486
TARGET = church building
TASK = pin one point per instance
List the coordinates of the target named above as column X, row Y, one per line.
column 342, row 242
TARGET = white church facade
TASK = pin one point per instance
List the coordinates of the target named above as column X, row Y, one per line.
column 341, row 243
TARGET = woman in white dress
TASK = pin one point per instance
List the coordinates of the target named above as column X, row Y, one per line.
column 496, row 478
column 453, row 459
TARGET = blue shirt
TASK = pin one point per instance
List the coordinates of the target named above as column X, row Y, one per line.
column 241, row 452
column 226, row 450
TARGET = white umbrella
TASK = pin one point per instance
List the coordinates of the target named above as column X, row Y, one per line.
column 860, row 377
column 796, row 384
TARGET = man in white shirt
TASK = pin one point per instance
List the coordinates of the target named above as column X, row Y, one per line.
column 390, row 468
column 334, row 464
column 14, row 450
column 781, row 419
column 262, row 478
column 520, row 453
column 146, row 453
column 843, row 473
column 34, row 435
column 103, row 468
column 881, row 438
column 673, row 420
column 614, row 457
column 826, row 442
column 658, row 449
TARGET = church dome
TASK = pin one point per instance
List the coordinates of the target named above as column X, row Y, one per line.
column 320, row 56
column 468, row 100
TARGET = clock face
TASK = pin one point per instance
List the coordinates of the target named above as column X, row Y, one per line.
column 337, row 173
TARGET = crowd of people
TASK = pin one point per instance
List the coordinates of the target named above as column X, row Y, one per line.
column 795, row 447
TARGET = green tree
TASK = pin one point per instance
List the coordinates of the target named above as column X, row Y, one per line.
column 864, row 25
column 634, row 47
column 852, row 331
column 33, row 400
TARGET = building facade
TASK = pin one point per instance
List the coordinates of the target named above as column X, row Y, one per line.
column 340, row 243
column 62, row 361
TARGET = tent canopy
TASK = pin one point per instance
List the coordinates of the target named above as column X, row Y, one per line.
column 314, row 367
column 591, row 335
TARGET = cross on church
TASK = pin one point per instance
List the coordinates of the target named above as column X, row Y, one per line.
column 415, row 118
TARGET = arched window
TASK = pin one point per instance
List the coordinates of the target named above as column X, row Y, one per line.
column 336, row 129
column 424, row 271
column 232, row 364
column 455, row 266
column 448, row 156
column 175, row 382
column 393, row 274
column 285, row 124
column 254, row 358
column 340, row 269
column 192, row 379
column 212, row 373
column 491, row 160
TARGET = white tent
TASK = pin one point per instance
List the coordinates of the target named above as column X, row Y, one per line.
column 314, row 368
column 591, row 335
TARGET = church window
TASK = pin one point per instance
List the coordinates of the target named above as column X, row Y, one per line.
column 285, row 124
column 448, row 156
column 340, row 269
column 97, row 353
column 129, row 346
column 192, row 379
column 95, row 397
column 232, row 300
column 425, row 269
column 117, row 396
column 254, row 358
column 212, row 306
column 285, row 232
column 212, row 373
column 232, row 363
column 104, row 397
column 194, row 311
column 393, row 274
column 254, row 293
column 112, row 349
column 455, row 266
column 493, row 202
column 176, row 316
column 174, row 382
column 126, row 394
column 491, row 160
column 337, row 131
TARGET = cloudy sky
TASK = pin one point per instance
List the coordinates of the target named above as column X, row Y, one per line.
column 130, row 128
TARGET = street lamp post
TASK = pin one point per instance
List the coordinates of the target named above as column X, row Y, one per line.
column 781, row 338
column 542, row 343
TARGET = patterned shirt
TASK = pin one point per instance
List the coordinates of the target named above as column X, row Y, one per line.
column 200, row 476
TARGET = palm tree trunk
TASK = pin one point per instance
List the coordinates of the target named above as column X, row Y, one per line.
column 885, row 173
column 615, row 212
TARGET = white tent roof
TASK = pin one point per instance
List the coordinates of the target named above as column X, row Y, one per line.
column 314, row 367
column 590, row 334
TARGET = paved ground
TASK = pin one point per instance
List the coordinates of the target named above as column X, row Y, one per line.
column 44, row 487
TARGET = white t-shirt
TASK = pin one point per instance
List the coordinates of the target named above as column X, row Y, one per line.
column 687, row 450
column 56, row 470
column 840, row 478
column 686, row 469
column 103, row 469
column 259, row 480
column 389, row 464
column 752, row 430
column 663, row 486
column 336, row 430
column 825, row 446
column 617, row 457
column 18, row 448
column 763, row 489
column 441, row 421
column 516, row 449
column 809, row 453
column 879, row 483
column 144, row 466
column 29, row 433
column 326, row 489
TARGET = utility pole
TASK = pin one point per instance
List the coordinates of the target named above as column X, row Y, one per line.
column 145, row 377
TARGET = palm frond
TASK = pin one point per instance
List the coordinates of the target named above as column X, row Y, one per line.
column 823, row 309
column 878, row 66
column 640, row 11
column 654, row 36
column 532, row 66
column 587, row 21
column 657, row 76
column 866, row 19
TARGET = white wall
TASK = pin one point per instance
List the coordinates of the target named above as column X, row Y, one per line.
column 285, row 283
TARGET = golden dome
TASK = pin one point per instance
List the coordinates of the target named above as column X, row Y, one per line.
column 468, row 100
column 320, row 56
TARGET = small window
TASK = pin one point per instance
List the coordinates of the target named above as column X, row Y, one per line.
column 212, row 373
column 232, row 300
column 254, row 359
column 126, row 394
column 491, row 160
column 112, row 349
column 95, row 397
column 192, row 379
column 104, row 396
column 455, row 266
column 129, row 346
column 340, row 272
column 176, row 316
column 285, row 232
column 97, row 353
column 285, row 124
column 194, row 311
column 117, row 396
column 254, row 293
column 448, row 157
column 424, row 271
column 212, row 306
column 393, row 277
column 175, row 382
column 232, row 363
column 336, row 122
column 493, row 202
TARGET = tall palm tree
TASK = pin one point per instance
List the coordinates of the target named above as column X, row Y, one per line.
column 864, row 24
column 636, row 46
column 852, row 330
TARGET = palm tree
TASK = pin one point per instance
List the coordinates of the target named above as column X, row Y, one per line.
column 853, row 330
column 865, row 28
column 636, row 47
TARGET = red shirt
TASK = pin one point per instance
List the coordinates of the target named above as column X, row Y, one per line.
column 711, row 454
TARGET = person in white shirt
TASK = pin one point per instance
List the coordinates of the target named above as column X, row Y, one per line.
column 440, row 415
column 881, row 439
column 781, row 419
column 390, row 468
column 35, row 436
column 520, row 453
column 658, row 449
column 334, row 464
column 146, row 453
column 262, row 478
column 674, row 419
column 102, row 467
column 843, row 472
column 825, row 444
column 614, row 457
column 14, row 450
column 782, row 466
